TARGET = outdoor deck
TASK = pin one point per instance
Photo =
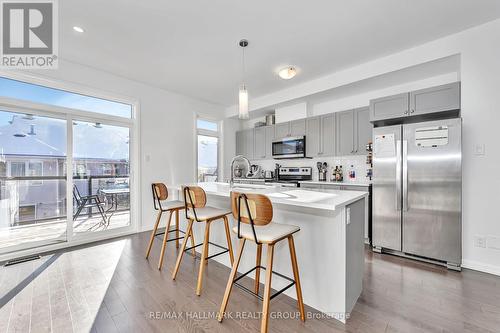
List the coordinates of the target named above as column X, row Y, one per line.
column 56, row 231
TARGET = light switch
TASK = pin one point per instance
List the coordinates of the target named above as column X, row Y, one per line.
column 479, row 149
column 148, row 158
column 348, row 217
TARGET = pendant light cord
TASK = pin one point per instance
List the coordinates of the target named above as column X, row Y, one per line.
column 243, row 66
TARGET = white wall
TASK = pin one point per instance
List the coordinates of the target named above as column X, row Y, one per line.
column 291, row 112
column 167, row 127
column 229, row 128
column 479, row 53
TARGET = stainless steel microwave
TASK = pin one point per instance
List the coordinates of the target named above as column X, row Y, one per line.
column 290, row 147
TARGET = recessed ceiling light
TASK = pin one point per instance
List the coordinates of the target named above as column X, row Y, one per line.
column 78, row 29
column 287, row 73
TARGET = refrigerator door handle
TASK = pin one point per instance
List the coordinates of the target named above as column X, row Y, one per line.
column 405, row 176
column 398, row 175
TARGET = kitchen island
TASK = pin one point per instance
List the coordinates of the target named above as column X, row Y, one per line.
column 329, row 245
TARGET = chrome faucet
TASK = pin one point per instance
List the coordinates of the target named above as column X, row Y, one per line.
column 238, row 157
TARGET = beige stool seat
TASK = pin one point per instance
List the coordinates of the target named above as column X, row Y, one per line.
column 207, row 213
column 173, row 204
column 267, row 233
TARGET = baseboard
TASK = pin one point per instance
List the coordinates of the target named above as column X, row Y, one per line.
column 478, row 266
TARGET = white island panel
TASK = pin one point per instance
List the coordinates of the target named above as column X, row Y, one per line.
column 329, row 250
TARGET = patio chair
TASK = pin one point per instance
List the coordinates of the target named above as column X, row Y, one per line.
column 88, row 201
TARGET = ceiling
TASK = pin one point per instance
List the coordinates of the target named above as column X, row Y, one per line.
column 191, row 47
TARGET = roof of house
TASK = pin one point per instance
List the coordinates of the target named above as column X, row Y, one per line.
column 43, row 136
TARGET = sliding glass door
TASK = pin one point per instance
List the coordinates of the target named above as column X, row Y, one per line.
column 33, row 194
column 101, row 177
column 66, row 167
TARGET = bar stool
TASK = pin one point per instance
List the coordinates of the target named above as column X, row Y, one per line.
column 195, row 200
column 256, row 215
column 160, row 193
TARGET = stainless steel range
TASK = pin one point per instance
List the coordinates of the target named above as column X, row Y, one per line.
column 292, row 175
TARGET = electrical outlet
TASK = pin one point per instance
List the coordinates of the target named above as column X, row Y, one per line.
column 480, row 241
column 493, row 242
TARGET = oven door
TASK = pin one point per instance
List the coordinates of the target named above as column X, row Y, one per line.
column 293, row 147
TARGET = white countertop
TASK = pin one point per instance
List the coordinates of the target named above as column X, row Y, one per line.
column 241, row 179
column 343, row 183
column 321, row 199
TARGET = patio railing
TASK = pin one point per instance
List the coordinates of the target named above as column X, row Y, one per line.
column 47, row 196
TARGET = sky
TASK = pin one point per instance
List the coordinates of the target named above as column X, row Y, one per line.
column 90, row 141
column 39, row 94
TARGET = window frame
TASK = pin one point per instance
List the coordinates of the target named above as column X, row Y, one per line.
column 205, row 132
column 9, row 174
column 70, row 115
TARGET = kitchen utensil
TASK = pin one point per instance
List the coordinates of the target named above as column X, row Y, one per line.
column 254, row 171
column 277, row 170
column 238, row 172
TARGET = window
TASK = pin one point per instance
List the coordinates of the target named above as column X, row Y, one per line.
column 3, row 169
column 17, row 169
column 206, row 125
column 42, row 167
column 208, row 150
column 35, row 169
column 45, row 95
column 27, row 213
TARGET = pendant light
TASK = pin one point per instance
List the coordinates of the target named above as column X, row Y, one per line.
column 243, row 93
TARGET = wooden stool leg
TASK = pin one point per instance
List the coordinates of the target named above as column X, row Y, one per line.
column 183, row 247
column 193, row 250
column 257, row 270
column 228, row 238
column 165, row 237
column 229, row 285
column 152, row 238
column 298, row 288
column 177, row 228
column 267, row 289
column 204, row 255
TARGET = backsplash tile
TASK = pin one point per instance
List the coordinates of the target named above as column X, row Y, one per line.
column 358, row 162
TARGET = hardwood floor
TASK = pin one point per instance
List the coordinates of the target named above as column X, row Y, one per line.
column 110, row 287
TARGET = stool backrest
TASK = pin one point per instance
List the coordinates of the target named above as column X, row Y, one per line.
column 194, row 196
column 251, row 208
column 160, row 193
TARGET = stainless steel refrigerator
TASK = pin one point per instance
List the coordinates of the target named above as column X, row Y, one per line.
column 417, row 190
